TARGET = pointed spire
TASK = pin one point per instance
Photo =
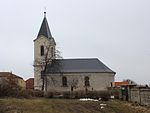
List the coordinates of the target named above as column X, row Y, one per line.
column 45, row 14
column 44, row 30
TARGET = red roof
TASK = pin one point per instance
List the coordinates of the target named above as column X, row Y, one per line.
column 120, row 83
column 9, row 74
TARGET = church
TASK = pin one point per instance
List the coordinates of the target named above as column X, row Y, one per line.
column 53, row 74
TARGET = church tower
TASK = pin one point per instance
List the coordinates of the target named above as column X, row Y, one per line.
column 44, row 49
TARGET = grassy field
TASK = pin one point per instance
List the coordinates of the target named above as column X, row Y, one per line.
column 42, row 105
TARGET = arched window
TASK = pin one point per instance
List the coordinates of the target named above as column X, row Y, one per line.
column 64, row 81
column 42, row 50
column 87, row 82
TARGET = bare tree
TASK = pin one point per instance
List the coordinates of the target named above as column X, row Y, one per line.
column 74, row 84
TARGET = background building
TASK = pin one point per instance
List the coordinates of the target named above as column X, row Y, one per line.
column 30, row 83
column 8, row 78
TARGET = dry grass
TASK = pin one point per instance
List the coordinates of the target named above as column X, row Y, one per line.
column 42, row 105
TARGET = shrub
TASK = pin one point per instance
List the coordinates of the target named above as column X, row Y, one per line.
column 66, row 94
column 79, row 94
column 37, row 93
column 116, row 92
column 53, row 94
column 49, row 94
column 8, row 91
column 104, row 95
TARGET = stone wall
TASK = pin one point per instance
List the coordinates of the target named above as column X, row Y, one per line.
column 98, row 81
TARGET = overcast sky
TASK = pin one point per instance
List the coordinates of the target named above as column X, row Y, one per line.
column 115, row 31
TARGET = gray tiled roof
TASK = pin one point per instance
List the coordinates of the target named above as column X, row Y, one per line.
column 78, row 66
column 44, row 30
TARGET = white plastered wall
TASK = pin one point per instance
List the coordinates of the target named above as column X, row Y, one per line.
column 98, row 81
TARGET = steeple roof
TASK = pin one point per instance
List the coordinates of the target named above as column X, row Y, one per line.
column 45, row 30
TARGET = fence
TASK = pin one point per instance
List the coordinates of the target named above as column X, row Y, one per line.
column 140, row 96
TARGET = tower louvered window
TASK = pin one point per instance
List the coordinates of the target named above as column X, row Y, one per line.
column 42, row 50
